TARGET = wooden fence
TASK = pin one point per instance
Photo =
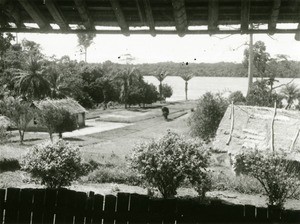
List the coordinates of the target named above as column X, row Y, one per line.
column 49, row 206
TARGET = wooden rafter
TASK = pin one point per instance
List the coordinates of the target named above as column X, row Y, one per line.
column 56, row 14
column 120, row 16
column 149, row 17
column 35, row 14
column 11, row 10
column 140, row 11
column 84, row 14
column 274, row 15
column 245, row 12
column 213, row 15
column 180, row 16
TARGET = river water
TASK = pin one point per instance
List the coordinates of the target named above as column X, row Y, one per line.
column 199, row 85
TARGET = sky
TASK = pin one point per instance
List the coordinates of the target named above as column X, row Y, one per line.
column 162, row 48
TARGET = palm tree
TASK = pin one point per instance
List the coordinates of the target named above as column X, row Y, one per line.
column 126, row 76
column 290, row 93
column 31, row 80
column 55, row 79
column 186, row 77
column 160, row 75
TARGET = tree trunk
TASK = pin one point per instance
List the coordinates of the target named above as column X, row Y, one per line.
column 160, row 90
column 60, row 135
column 250, row 64
column 85, row 53
column 186, row 90
column 51, row 137
column 22, row 133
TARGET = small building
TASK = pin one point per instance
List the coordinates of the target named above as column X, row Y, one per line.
column 249, row 127
column 68, row 104
column 5, row 122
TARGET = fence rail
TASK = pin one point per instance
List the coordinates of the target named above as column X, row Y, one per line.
column 51, row 206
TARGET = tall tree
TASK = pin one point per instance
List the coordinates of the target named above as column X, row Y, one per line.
column 160, row 75
column 126, row 75
column 186, row 77
column 260, row 57
column 5, row 44
column 85, row 40
column 32, row 82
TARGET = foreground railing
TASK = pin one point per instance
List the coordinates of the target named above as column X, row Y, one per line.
column 65, row 206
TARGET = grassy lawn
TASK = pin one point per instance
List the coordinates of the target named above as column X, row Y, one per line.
column 111, row 148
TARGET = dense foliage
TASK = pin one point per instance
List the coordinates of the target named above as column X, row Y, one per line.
column 169, row 162
column 20, row 113
column 55, row 119
column 278, row 176
column 55, row 164
column 209, row 112
column 262, row 95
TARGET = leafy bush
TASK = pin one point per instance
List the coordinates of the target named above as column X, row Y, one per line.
column 209, row 112
column 278, row 176
column 114, row 174
column 168, row 162
column 55, row 164
column 88, row 167
column 261, row 95
column 236, row 97
column 242, row 184
column 55, row 119
column 9, row 165
column 166, row 91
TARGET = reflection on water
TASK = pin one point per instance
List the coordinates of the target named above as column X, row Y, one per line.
column 200, row 85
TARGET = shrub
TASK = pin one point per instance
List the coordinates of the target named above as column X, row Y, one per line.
column 55, row 164
column 278, row 176
column 261, row 95
column 236, row 97
column 166, row 91
column 242, row 184
column 168, row 162
column 205, row 120
column 9, row 165
column 115, row 174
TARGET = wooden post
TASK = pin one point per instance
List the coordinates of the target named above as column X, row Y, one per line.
column 295, row 139
column 272, row 128
column 232, row 123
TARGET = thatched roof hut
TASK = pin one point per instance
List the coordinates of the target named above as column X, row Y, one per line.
column 251, row 129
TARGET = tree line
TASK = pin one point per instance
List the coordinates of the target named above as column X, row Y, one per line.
column 27, row 73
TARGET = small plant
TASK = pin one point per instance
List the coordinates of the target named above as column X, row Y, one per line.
column 237, row 97
column 210, row 110
column 55, row 164
column 168, row 162
column 278, row 176
column 9, row 165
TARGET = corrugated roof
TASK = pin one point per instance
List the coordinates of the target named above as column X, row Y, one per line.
column 69, row 104
column 252, row 129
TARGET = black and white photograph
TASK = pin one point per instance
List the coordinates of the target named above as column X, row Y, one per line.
column 149, row 111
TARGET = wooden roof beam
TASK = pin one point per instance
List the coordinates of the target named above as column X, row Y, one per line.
column 120, row 16
column 13, row 11
column 56, row 14
column 245, row 13
column 213, row 15
column 274, row 16
column 84, row 14
column 140, row 11
column 35, row 14
column 180, row 16
column 149, row 17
